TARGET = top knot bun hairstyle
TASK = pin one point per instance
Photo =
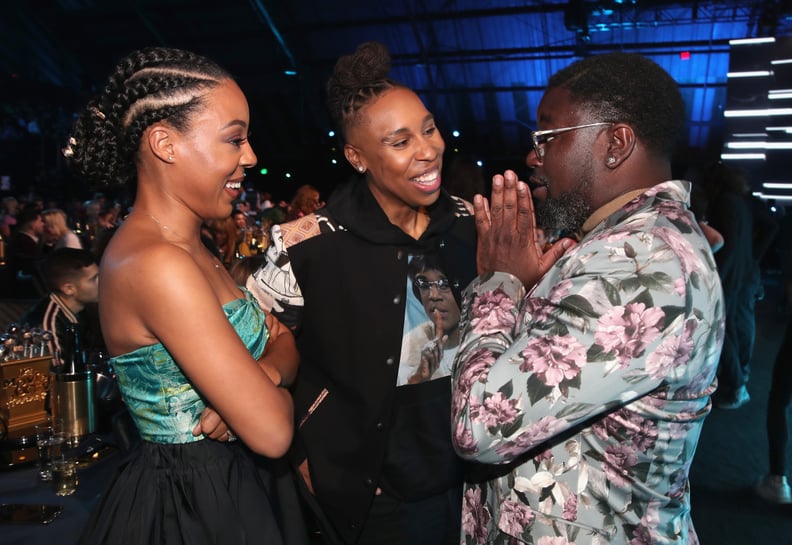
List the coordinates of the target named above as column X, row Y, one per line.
column 356, row 80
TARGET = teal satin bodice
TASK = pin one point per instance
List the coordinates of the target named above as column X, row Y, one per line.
column 161, row 400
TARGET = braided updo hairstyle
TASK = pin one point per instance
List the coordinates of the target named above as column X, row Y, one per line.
column 356, row 80
column 148, row 86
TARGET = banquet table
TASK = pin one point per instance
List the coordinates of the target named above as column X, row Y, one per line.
column 97, row 462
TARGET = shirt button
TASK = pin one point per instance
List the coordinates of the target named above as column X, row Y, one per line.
column 400, row 255
column 370, row 481
column 397, row 300
column 380, row 426
column 390, row 361
column 442, row 244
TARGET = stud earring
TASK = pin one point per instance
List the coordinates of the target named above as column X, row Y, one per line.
column 361, row 168
column 611, row 160
column 170, row 158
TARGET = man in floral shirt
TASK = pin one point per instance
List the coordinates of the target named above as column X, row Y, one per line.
column 584, row 381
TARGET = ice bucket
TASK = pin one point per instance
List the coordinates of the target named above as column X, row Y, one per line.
column 72, row 401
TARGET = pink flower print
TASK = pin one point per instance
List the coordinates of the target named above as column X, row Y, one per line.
column 463, row 440
column 497, row 410
column 645, row 533
column 643, row 433
column 475, row 367
column 538, row 308
column 560, row 290
column 701, row 385
column 608, row 427
column 680, row 430
column 533, row 435
column 678, row 483
column 554, row 540
column 616, row 236
column 492, row 312
column 641, row 536
column 516, row 516
column 675, row 351
column 570, row 507
column 627, row 426
column 545, row 455
column 681, row 247
column 626, row 331
column 680, row 286
column 553, row 358
column 618, row 461
column 673, row 211
column 474, row 516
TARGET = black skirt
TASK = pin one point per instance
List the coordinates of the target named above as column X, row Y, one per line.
column 198, row 493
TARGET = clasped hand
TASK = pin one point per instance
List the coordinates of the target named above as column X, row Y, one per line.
column 506, row 232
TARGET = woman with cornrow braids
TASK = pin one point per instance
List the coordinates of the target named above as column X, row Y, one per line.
column 198, row 362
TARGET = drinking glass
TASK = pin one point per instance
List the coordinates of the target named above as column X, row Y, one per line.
column 57, row 443
column 64, row 476
column 43, row 442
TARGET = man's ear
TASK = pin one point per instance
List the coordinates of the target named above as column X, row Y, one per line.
column 352, row 155
column 68, row 289
column 621, row 145
column 160, row 140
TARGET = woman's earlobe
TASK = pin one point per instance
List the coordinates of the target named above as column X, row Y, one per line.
column 161, row 145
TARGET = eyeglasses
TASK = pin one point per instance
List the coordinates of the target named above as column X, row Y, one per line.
column 540, row 138
column 423, row 284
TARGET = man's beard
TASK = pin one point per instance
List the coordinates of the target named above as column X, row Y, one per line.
column 567, row 212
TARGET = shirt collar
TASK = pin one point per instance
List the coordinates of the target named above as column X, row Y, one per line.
column 609, row 208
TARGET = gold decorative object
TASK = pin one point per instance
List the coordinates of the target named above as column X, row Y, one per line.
column 23, row 392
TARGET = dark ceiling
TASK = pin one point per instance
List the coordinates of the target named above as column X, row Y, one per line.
column 479, row 64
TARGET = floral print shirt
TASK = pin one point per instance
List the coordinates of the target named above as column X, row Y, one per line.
column 587, row 395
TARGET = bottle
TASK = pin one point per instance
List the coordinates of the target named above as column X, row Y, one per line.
column 72, row 355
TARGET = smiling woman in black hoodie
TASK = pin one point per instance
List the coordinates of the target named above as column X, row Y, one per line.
column 376, row 458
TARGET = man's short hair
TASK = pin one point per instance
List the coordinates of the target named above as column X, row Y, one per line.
column 627, row 88
column 27, row 215
column 65, row 265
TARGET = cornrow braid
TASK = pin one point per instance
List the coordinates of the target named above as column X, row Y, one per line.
column 356, row 80
column 147, row 86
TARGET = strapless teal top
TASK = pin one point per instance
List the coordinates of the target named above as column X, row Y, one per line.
column 161, row 400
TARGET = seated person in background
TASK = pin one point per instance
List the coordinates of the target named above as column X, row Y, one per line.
column 306, row 201
column 23, row 252
column 107, row 223
column 8, row 213
column 57, row 233
column 224, row 234
column 244, row 267
column 71, row 276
